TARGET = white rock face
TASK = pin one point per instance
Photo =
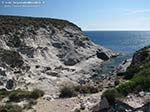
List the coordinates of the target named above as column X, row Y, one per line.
column 50, row 54
column 123, row 67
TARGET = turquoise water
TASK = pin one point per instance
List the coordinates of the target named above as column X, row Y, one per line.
column 126, row 42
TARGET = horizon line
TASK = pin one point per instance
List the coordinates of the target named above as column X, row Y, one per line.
column 116, row 30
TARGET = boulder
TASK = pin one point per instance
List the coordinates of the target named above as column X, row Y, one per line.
column 10, row 84
column 102, row 55
column 53, row 73
column 71, row 58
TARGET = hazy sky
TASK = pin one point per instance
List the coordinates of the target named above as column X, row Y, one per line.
column 91, row 14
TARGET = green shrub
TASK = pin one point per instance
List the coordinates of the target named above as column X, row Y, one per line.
column 111, row 95
column 36, row 93
column 19, row 95
column 125, row 88
column 67, row 91
column 3, row 93
column 140, row 81
column 131, row 71
column 10, row 108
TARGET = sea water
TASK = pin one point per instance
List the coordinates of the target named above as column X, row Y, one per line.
column 125, row 42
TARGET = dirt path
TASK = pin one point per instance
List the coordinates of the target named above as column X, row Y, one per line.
column 67, row 104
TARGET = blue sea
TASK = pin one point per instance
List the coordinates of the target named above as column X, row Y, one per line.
column 126, row 42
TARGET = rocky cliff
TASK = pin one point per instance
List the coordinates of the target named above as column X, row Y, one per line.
column 44, row 53
column 133, row 92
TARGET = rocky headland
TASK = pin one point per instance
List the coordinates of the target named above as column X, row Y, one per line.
column 46, row 54
column 43, row 53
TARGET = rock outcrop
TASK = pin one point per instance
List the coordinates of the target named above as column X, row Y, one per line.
column 142, row 57
column 43, row 53
column 135, row 100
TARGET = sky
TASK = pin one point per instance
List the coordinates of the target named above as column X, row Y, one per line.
column 89, row 14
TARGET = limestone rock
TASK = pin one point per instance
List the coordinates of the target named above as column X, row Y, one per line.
column 105, row 54
column 36, row 46
column 123, row 66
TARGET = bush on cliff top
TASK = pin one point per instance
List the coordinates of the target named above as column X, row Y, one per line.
column 10, row 24
column 140, row 81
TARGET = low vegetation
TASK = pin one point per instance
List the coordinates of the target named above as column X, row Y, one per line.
column 71, row 91
column 140, row 61
column 10, row 108
column 140, row 81
column 67, row 91
column 133, row 69
column 137, row 77
column 19, row 95
column 3, row 93
column 9, row 24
